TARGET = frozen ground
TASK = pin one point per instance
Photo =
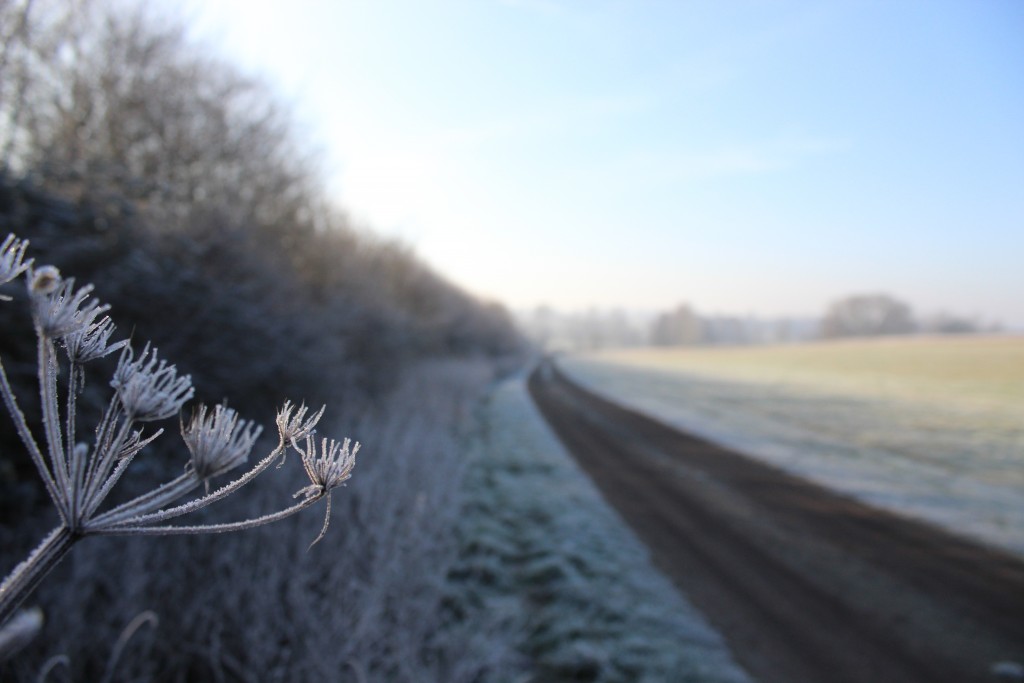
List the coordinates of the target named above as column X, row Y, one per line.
column 913, row 458
column 543, row 548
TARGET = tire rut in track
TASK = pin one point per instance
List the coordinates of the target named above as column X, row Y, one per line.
column 806, row 585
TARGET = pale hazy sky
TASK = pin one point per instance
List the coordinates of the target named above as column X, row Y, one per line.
column 744, row 156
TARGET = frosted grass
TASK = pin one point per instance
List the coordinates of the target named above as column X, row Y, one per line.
column 544, row 548
column 916, row 459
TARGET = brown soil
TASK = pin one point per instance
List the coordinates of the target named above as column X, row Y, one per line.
column 805, row 584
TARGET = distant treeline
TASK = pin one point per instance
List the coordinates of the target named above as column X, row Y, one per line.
column 855, row 316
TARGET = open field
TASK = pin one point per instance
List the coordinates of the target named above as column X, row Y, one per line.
column 929, row 427
column 969, row 374
column 804, row 583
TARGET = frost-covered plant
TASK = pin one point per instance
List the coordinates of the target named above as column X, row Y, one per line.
column 79, row 476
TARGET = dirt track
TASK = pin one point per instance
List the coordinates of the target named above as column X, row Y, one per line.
column 806, row 585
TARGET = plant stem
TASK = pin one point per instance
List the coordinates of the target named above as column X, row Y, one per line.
column 11, row 401
column 27, row 575
column 51, row 422
column 207, row 528
column 98, row 479
column 164, row 495
column 209, row 498
column 75, row 467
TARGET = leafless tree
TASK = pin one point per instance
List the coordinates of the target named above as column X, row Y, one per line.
column 948, row 323
column 103, row 95
column 680, row 327
column 867, row 315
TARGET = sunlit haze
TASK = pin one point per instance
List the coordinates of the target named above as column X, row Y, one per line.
column 746, row 157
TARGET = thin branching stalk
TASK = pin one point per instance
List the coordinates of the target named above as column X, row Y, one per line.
column 27, row 575
column 29, row 441
column 210, row 528
column 106, row 450
column 200, row 503
column 75, row 463
column 127, row 453
column 163, row 495
column 51, row 421
column 79, row 478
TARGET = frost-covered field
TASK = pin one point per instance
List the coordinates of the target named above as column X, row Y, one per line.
column 955, row 462
column 544, row 549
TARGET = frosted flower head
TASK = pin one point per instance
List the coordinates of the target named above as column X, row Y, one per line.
column 149, row 389
column 12, row 260
column 332, row 467
column 292, row 428
column 58, row 309
column 92, row 341
column 218, row 440
column 328, row 470
column 44, row 280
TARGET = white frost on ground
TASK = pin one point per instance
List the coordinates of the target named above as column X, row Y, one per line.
column 543, row 547
column 911, row 459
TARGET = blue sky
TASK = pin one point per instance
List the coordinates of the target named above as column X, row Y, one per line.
column 747, row 157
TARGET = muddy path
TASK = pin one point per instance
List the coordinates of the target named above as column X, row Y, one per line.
column 805, row 584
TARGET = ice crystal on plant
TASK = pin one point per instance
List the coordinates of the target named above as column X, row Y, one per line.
column 44, row 280
column 291, row 428
column 92, row 341
column 334, row 464
column 58, row 309
column 218, row 440
column 150, row 389
column 12, row 260
column 327, row 471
